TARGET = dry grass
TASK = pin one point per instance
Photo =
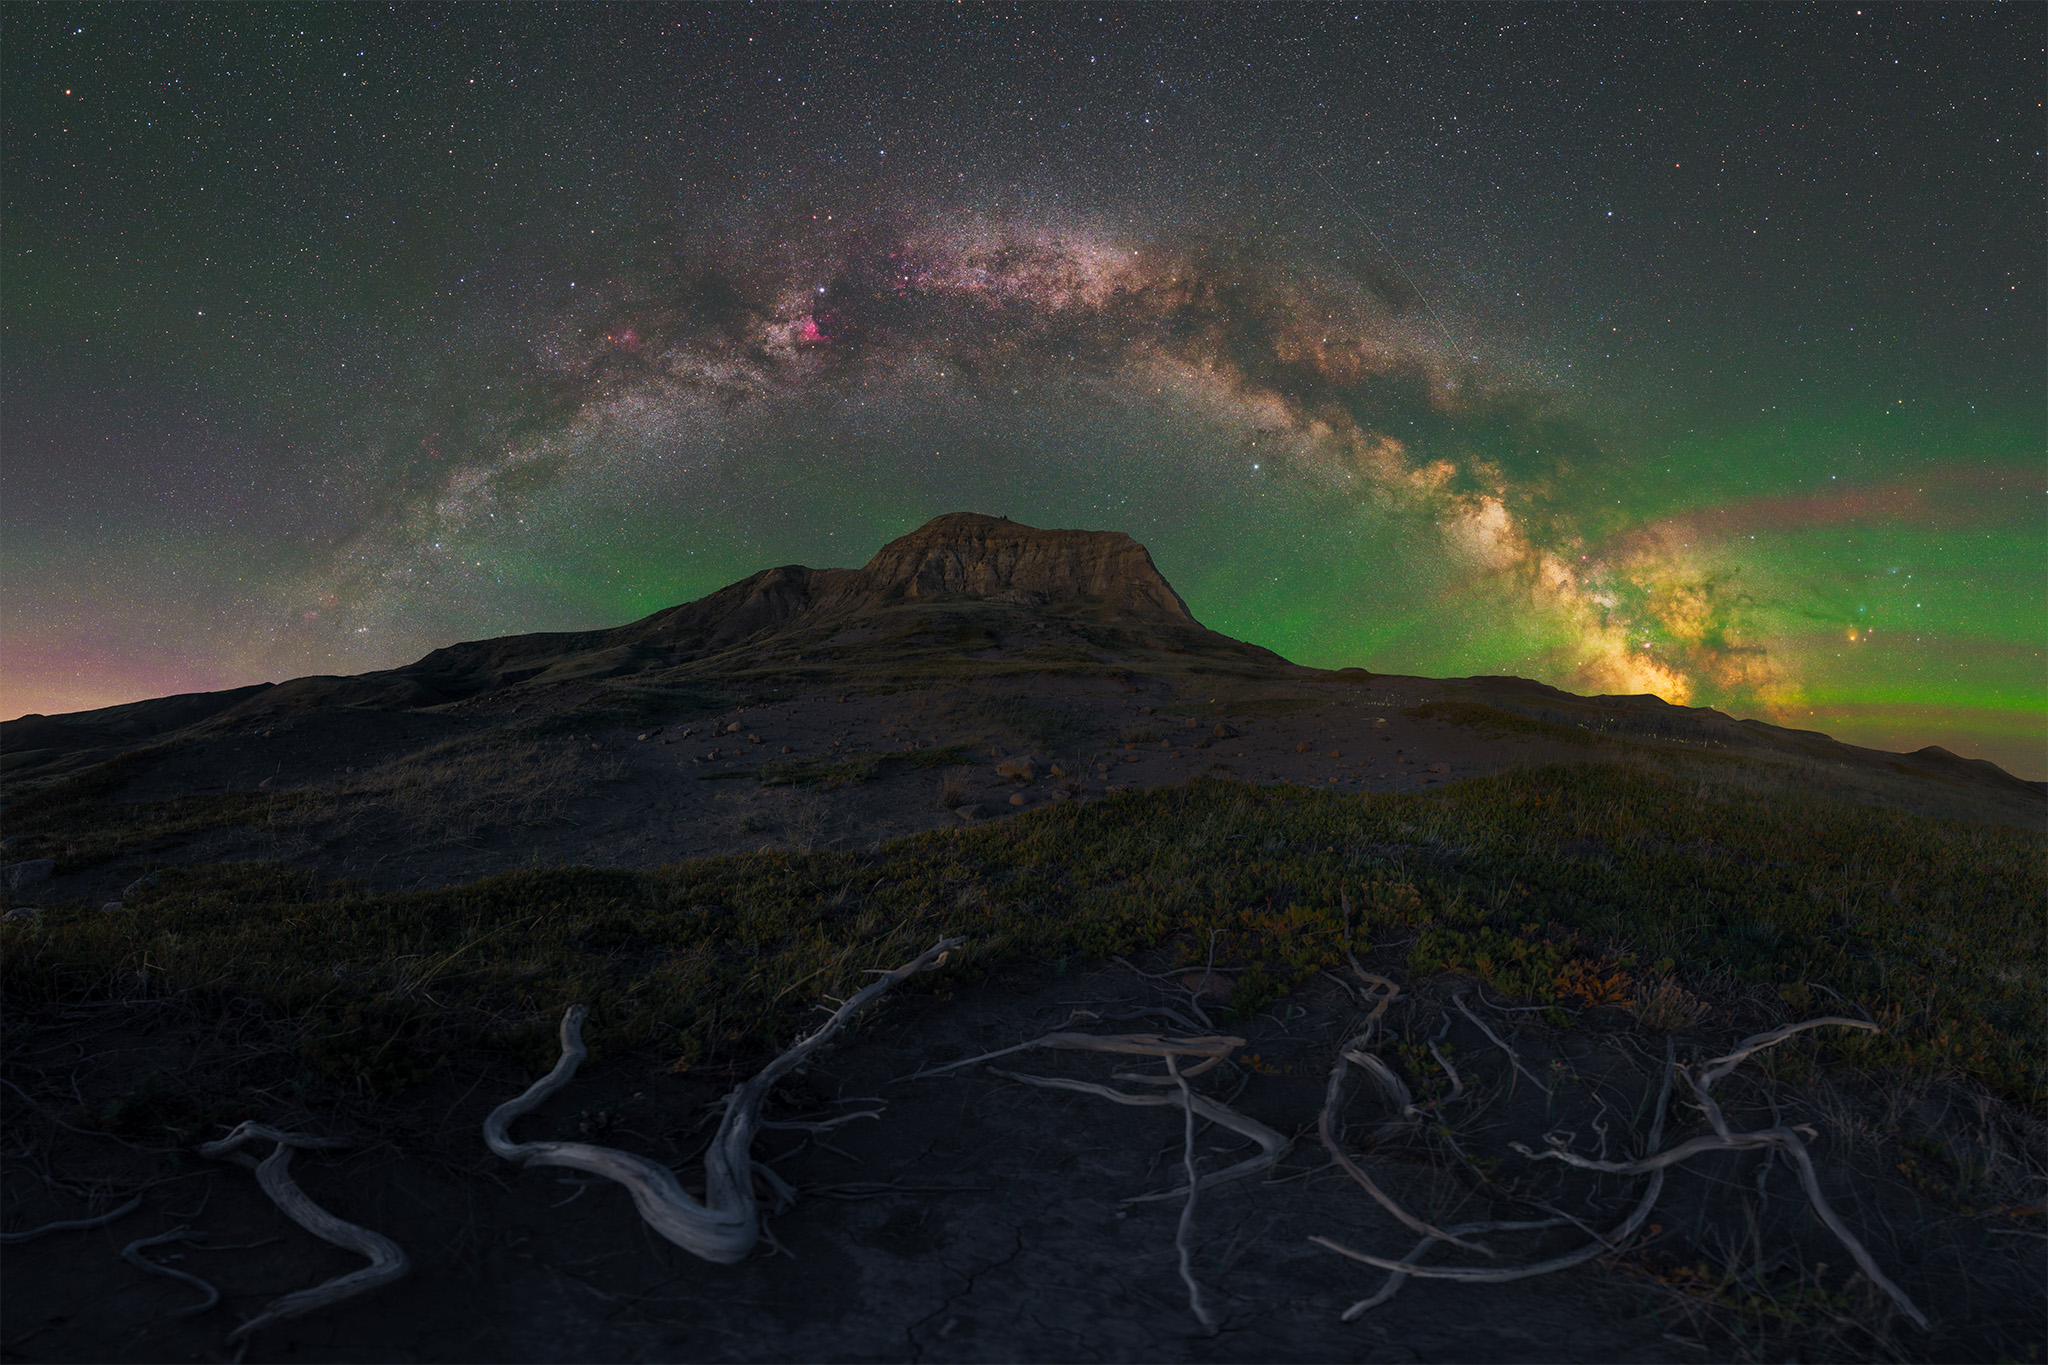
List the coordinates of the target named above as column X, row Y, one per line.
column 453, row 792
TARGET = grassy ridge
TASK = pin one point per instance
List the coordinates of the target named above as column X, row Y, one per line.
column 1562, row 886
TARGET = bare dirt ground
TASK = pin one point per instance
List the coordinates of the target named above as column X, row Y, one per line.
column 981, row 1218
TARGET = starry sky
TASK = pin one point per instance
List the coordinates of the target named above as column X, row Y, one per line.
column 1695, row 351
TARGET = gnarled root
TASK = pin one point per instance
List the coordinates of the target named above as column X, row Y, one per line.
column 1654, row 1165
column 726, row 1225
column 387, row 1261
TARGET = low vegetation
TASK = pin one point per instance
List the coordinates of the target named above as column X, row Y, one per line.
column 1565, row 888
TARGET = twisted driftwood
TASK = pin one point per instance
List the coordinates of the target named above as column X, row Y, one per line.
column 725, row 1226
column 387, row 1261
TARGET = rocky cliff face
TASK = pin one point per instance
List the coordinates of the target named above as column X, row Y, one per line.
column 980, row 556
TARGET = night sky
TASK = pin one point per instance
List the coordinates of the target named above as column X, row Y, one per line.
column 1696, row 351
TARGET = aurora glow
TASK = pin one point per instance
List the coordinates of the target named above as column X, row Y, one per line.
column 1632, row 350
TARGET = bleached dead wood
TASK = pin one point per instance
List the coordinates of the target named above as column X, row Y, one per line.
column 1213, row 1050
column 1654, row 1164
column 1272, row 1145
column 726, row 1224
column 387, row 1261
column 132, row 1254
column 1401, row 1270
column 1183, row 1239
column 1722, row 1139
column 74, row 1224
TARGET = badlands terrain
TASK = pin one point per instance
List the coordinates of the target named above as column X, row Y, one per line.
column 1445, row 940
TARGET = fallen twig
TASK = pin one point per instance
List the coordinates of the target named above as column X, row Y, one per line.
column 1495, row 1039
column 1213, row 1048
column 132, row 1253
column 1500, row 1275
column 1272, row 1145
column 1326, row 1129
column 726, row 1225
column 74, row 1224
column 387, row 1260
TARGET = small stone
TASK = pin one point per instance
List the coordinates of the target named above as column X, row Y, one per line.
column 786, row 749
column 264, row 785
column 1020, row 799
column 1016, row 769
column 643, row 737
column 753, row 739
column 22, row 912
column 1056, row 771
column 142, row 883
column 1223, row 731
column 1144, row 710
column 1201, row 743
column 21, row 876
column 969, row 812
column 734, row 728
column 1335, row 754
column 1191, row 723
column 1439, row 767
column 1303, row 747
column 110, row 907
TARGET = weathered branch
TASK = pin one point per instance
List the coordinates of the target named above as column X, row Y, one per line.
column 725, row 1226
column 1182, row 1240
column 387, row 1260
column 1272, row 1145
column 74, row 1224
column 132, row 1254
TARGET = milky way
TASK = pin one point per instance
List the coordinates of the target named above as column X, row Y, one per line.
column 1634, row 353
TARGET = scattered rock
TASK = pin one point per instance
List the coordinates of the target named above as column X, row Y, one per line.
column 1223, row 731
column 1191, row 723
column 753, row 739
column 786, row 749
column 1056, row 771
column 1439, row 767
column 1016, row 769
column 1303, row 747
column 643, row 736
column 1335, row 754
column 110, row 907
column 22, row 912
column 1020, row 799
column 142, row 883
column 1144, row 710
column 969, row 812
column 1201, row 743
column 21, row 876
column 733, row 728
